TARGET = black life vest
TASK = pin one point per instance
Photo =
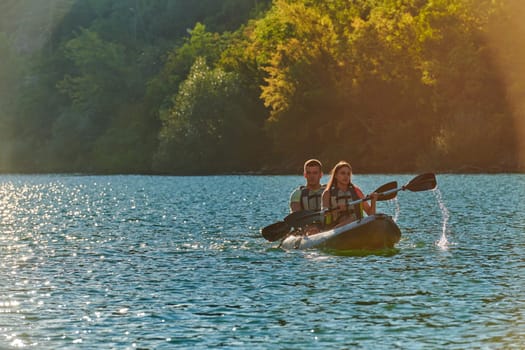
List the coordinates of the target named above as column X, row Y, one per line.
column 337, row 198
column 311, row 201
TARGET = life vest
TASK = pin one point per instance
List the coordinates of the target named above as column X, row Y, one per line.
column 311, row 200
column 338, row 197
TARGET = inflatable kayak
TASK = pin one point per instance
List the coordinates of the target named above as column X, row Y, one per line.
column 370, row 233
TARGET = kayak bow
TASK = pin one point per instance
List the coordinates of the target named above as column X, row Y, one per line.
column 370, row 233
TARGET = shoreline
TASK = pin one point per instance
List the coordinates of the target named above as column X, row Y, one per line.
column 269, row 173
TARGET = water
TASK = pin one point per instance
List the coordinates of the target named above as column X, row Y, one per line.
column 139, row 262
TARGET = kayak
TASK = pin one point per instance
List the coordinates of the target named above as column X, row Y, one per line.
column 373, row 232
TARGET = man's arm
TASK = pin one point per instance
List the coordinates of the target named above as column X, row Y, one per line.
column 295, row 201
column 295, row 206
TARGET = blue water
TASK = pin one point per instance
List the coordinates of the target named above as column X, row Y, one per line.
column 140, row 262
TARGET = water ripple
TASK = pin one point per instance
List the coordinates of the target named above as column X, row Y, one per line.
column 178, row 262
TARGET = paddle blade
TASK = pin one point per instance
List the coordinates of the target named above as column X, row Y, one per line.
column 422, row 182
column 387, row 187
column 275, row 231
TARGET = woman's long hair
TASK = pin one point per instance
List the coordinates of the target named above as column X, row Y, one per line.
column 333, row 181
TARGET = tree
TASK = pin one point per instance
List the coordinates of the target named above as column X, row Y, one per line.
column 206, row 130
column 96, row 84
column 11, row 71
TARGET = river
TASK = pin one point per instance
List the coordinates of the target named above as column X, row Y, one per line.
column 161, row 262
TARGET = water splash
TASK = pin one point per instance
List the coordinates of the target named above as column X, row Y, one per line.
column 393, row 206
column 443, row 242
column 397, row 209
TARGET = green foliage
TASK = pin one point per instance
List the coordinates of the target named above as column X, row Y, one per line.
column 127, row 144
column 205, row 86
column 206, row 130
column 360, row 77
column 10, row 73
column 95, row 86
column 179, row 61
column 99, row 71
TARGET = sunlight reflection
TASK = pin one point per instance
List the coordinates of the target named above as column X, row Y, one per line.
column 18, row 343
column 8, row 204
column 8, row 306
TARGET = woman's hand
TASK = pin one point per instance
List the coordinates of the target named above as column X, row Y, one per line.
column 373, row 199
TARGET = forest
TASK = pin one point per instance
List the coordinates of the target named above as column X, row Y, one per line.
column 258, row 86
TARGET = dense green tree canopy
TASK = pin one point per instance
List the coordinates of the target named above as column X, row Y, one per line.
column 206, row 86
column 207, row 127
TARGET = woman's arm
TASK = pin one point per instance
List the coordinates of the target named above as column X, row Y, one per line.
column 370, row 209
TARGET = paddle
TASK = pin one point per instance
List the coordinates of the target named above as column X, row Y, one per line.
column 275, row 231
column 304, row 217
column 421, row 182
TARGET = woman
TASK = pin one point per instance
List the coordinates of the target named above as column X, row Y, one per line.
column 339, row 191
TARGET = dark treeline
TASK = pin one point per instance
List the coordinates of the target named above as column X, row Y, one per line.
column 207, row 86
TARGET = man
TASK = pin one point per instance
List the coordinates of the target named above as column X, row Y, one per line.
column 308, row 197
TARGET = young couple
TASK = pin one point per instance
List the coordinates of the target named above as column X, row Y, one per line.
column 333, row 197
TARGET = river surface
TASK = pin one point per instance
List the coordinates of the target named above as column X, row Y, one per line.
column 158, row 262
